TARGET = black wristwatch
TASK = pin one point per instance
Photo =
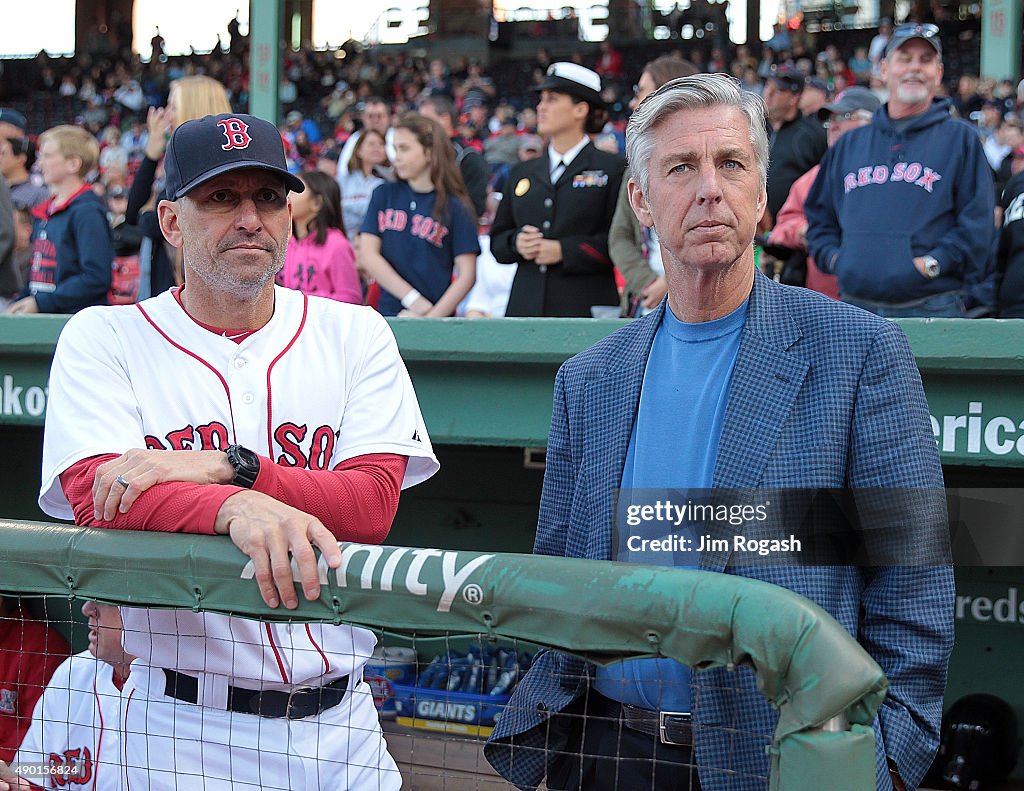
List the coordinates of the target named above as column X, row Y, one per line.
column 246, row 464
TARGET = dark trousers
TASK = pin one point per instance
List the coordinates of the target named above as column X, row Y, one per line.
column 602, row 754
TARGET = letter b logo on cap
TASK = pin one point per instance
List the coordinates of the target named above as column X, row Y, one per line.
column 237, row 133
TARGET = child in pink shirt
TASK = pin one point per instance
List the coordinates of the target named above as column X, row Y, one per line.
column 320, row 260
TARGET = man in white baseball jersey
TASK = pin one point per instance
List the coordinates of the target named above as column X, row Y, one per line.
column 76, row 724
column 232, row 407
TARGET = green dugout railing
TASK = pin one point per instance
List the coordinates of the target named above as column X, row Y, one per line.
column 826, row 688
column 488, row 382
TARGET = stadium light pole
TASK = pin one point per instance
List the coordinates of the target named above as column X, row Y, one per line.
column 265, row 25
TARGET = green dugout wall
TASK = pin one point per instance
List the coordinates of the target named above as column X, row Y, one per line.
column 487, row 383
column 485, row 390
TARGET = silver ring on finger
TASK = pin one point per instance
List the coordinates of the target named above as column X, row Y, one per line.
column 120, row 479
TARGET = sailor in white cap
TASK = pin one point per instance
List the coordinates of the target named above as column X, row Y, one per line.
column 554, row 217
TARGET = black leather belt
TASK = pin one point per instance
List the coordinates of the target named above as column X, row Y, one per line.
column 299, row 703
column 669, row 727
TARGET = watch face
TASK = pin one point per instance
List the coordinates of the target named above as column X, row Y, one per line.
column 248, row 459
column 246, row 464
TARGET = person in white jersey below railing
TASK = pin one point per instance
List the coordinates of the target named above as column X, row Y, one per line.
column 234, row 407
column 76, row 724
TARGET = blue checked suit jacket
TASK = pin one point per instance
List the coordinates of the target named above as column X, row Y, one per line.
column 822, row 395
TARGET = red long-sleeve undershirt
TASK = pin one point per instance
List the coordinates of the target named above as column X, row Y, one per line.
column 356, row 500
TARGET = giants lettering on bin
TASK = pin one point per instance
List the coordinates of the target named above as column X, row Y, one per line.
column 379, row 567
column 442, row 710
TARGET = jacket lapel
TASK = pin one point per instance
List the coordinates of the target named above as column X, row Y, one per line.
column 542, row 167
column 537, row 170
column 765, row 384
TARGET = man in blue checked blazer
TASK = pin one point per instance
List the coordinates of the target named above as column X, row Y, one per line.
column 734, row 382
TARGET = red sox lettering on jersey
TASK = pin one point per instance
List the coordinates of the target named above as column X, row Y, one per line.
column 294, row 445
column 72, row 767
column 237, row 133
column 426, row 228
column 910, row 172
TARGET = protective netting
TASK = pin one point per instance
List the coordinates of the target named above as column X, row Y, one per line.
column 441, row 647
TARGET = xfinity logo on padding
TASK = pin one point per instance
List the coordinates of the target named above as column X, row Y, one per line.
column 377, row 568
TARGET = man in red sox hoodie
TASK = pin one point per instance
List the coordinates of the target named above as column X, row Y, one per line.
column 902, row 210
column 71, row 250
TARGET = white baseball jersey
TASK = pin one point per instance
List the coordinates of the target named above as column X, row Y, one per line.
column 322, row 382
column 76, row 728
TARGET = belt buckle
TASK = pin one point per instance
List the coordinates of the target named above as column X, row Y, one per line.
column 663, row 727
column 288, row 711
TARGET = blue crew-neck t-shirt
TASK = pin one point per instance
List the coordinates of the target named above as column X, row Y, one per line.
column 674, row 445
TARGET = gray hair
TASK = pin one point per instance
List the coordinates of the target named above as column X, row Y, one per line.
column 685, row 93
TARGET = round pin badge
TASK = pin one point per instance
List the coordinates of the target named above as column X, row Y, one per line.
column 522, row 187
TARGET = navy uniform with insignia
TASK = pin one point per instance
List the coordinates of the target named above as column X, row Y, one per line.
column 575, row 210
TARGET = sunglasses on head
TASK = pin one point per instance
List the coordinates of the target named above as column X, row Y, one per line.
column 925, row 29
column 18, row 145
column 840, row 117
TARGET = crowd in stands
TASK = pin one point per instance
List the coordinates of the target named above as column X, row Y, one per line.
column 341, row 109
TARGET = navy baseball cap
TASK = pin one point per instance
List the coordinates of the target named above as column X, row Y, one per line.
column 816, row 82
column 208, row 147
column 14, row 118
column 788, row 78
column 908, row 31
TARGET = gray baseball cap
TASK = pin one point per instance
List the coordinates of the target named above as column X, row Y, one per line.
column 849, row 101
column 531, row 143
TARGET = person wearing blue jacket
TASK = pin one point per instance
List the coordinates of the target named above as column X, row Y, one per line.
column 902, row 210
column 72, row 254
